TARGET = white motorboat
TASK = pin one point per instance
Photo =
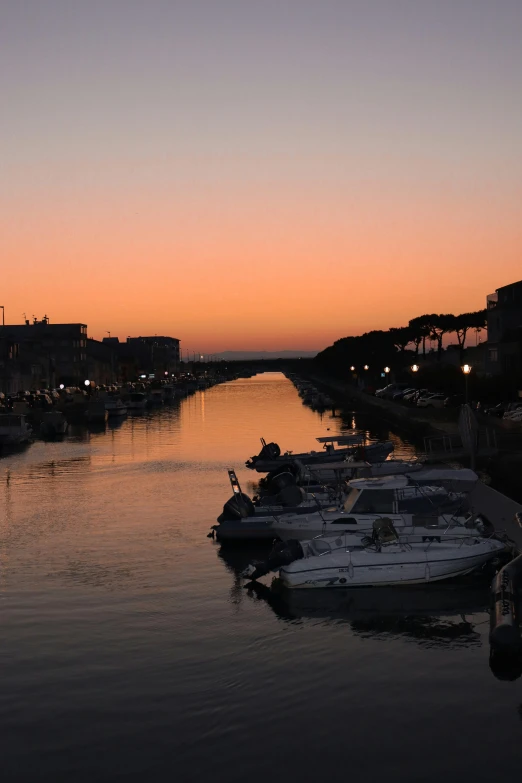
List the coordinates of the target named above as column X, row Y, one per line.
column 115, row 407
column 402, row 498
column 387, row 559
column 293, row 512
column 14, row 429
column 137, row 401
column 270, row 457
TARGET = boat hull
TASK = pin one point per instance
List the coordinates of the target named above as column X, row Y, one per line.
column 349, row 569
column 375, row 452
column 244, row 530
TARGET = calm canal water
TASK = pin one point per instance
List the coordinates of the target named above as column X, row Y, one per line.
column 131, row 650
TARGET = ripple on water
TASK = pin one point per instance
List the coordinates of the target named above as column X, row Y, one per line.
column 132, row 650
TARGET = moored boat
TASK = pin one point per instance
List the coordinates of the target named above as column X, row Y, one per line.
column 14, row 430
column 96, row 412
column 404, row 499
column 270, row 457
column 115, row 407
column 386, row 559
column 137, row 401
column 53, row 424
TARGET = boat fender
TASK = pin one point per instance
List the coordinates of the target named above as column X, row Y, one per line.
column 504, row 630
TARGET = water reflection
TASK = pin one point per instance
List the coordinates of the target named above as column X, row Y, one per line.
column 438, row 615
column 128, row 631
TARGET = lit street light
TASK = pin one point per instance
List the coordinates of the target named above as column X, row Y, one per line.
column 366, row 367
column 352, row 368
column 386, row 370
column 466, row 369
column 415, row 368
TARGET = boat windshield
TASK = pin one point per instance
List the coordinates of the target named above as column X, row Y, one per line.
column 374, row 501
column 352, row 496
column 319, row 547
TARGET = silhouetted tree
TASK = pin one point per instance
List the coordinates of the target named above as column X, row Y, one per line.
column 420, row 327
column 439, row 325
column 478, row 320
column 401, row 337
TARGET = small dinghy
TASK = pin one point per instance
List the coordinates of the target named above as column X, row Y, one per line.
column 387, row 559
column 270, row 457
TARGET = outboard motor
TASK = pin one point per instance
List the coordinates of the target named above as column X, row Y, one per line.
column 291, row 496
column 268, row 451
column 238, row 507
column 281, row 477
column 283, row 480
column 283, row 553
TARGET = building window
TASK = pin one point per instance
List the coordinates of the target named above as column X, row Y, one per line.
column 493, row 354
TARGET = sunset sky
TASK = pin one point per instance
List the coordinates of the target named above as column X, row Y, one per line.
column 258, row 174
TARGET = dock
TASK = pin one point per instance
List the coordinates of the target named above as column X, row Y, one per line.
column 499, row 509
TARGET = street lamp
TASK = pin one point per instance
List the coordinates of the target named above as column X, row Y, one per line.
column 466, row 369
column 62, row 386
column 415, row 368
column 87, row 383
column 366, row 367
column 386, row 370
column 352, row 368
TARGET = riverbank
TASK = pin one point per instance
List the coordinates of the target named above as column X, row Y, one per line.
column 503, row 463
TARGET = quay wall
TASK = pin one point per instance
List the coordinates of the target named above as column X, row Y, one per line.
column 504, row 468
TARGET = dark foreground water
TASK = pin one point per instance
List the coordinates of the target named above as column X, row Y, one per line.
column 131, row 651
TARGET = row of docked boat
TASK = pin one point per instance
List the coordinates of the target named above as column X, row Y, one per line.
column 358, row 518
column 47, row 414
column 310, row 394
column 135, row 398
column 17, row 429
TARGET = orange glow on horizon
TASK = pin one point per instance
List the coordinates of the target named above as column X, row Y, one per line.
column 242, row 276
column 258, row 178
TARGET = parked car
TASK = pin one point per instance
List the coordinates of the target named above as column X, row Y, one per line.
column 400, row 394
column 388, row 392
column 454, row 401
column 380, row 392
column 495, row 410
column 514, row 412
column 414, row 395
column 431, row 401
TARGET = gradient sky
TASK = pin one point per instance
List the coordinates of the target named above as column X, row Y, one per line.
column 258, row 174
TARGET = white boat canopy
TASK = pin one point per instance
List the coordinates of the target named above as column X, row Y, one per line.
column 445, row 474
column 403, row 480
column 344, row 465
column 343, row 440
